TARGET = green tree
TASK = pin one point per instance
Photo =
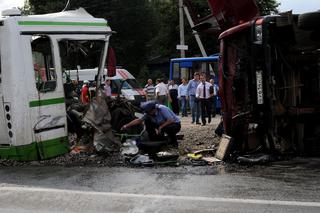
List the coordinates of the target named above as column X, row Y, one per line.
column 267, row 7
column 133, row 21
column 44, row 6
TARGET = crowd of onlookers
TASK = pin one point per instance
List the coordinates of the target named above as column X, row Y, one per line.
column 197, row 94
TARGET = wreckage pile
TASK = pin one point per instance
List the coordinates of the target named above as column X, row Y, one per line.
column 96, row 140
column 101, row 135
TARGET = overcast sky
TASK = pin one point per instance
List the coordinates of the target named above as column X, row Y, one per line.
column 5, row 4
column 298, row 6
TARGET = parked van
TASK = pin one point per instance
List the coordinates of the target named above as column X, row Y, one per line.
column 123, row 84
column 35, row 51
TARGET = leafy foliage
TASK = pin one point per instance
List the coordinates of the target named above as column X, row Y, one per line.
column 266, row 7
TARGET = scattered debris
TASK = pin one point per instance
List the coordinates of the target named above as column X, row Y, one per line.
column 211, row 160
column 129, row 148
column 142, row 160
column 81, row 148
column 205, row 151
column 165, row 156
column 258, row 159
column 194, row 156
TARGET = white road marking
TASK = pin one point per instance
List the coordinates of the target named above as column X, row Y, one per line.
column 156, row 196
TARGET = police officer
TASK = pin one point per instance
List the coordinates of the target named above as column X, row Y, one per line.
column 158, row 120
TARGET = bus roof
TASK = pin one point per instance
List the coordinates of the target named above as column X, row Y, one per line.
column 214, row 57
column 73, row 21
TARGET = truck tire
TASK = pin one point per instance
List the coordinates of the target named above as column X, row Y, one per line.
column 309, row 21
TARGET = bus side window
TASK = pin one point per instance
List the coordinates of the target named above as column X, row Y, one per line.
column 45, row 74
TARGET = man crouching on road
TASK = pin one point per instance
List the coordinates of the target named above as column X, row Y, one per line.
column 158, row 120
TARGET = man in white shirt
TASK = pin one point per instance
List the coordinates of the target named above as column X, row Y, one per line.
column 183, row 96
column 173, row 94
column 161, row 92
column 204, row 92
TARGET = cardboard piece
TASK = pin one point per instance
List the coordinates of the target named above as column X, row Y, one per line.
column 224, row 147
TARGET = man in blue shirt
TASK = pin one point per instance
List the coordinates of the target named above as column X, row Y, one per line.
column 158, row 120
column 194, row 104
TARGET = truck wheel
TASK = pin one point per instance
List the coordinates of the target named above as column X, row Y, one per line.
column 309, row 21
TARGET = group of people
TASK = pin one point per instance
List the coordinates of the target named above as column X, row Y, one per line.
column 86, row 95
column 198, row 92
column 160, row 119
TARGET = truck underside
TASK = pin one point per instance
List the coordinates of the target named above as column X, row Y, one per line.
column 271, row 88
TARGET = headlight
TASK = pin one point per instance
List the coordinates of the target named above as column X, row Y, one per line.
column 130, row 97
column 259, row 35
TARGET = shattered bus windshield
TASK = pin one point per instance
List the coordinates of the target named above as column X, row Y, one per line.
column 80, row 54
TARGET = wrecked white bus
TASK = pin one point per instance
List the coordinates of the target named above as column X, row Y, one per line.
column 35, row 51
column 269, row 77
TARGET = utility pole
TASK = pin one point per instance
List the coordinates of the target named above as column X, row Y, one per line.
column 181, row 24
column 195, row 33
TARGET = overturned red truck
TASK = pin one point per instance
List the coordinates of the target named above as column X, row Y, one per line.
column 269, row 77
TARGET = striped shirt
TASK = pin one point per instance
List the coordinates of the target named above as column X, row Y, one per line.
column 150, row 90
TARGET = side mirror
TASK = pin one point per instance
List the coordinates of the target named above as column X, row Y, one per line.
column 111, row 62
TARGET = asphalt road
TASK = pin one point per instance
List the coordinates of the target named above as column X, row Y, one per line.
column 283, row 187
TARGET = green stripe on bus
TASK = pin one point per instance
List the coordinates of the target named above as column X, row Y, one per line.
column 36, row 150
column 58, row 23
column 54, row 147
column 53, row 101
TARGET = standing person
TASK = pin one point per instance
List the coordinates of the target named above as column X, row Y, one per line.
column 173, row 94
column 183, row 96
column 85, row 93
column 214, row 97
column 193, row 103
column 76, row 88
column 161, row 92
column 107, row 88
column 158, row 120
column 150, row 90
column 204, row 93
